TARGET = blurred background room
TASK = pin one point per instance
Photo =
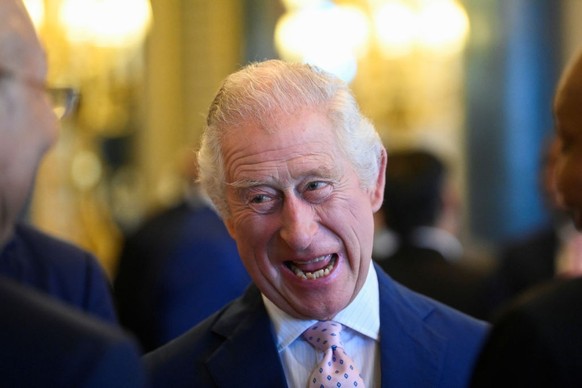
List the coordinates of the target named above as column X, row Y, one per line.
column 470, row 80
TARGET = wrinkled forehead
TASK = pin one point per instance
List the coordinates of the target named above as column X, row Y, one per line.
column 20, row 49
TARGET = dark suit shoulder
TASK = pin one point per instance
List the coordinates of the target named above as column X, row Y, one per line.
column 448, row 321
column 553, row 303
column 536, row 340
column 58, row 268
column 45, row 343
column 45, row 245
column 429, row 343
column 178, row 362
column 198, row 357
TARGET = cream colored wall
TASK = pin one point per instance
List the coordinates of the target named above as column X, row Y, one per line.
column 193, row 45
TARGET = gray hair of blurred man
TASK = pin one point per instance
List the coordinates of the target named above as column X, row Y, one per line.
column 262, row 92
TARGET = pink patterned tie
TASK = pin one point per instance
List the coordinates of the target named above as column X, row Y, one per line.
column 336, row 369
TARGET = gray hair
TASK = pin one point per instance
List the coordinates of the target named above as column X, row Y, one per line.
column 259, row 93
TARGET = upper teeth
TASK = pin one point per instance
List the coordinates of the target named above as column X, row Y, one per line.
column 317, row 259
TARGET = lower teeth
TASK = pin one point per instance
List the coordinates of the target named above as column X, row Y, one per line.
column 314, row 275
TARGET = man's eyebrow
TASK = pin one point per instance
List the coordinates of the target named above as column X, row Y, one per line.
column 318, row 173
column 323, row 173
column 245, row 183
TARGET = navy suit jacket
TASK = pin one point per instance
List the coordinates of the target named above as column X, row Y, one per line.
column 422, row 344
column 44, row 343
column 59, row 269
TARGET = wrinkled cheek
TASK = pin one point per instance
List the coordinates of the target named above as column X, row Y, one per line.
column 254, row 240
column 366, row 233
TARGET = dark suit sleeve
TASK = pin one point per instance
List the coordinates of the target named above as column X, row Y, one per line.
column 518, row 353
column 118, row 366
column 98, row 291
column 45, row 343
column 60, row 269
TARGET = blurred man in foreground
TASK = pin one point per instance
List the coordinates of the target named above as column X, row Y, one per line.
column 43, row 342
column 28, row 127
column 537, row 342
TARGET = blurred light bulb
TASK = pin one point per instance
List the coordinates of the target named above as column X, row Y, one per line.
column 443, row 26
column 396, row 25
column 298, row 4
column 107, row 23
column 320, row 36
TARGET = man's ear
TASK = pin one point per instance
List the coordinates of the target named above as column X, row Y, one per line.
column 377, row 190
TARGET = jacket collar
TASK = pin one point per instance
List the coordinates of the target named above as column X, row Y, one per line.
column 406, row 341
column 243, row 328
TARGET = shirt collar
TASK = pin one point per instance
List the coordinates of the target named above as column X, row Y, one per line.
column 361, row 315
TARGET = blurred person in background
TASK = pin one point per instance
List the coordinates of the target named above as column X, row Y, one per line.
column 555, row 250
column 536, row 341
column 54, row 299
column 423, row 211
column 178, row 267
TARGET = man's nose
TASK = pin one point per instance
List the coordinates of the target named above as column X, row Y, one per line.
column 299, row 225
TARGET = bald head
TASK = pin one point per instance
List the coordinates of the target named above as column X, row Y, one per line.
column 18, row 41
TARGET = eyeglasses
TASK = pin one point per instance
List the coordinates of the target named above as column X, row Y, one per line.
column 63, row 100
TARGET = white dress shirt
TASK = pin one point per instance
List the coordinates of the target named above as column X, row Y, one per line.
column 361, row 335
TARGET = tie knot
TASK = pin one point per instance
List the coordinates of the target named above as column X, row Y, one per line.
column 324, row 334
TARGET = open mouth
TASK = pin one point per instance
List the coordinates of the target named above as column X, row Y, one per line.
column 314, row 269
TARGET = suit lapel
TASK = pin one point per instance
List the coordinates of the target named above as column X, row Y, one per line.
column 248, row 344
column 406, row 342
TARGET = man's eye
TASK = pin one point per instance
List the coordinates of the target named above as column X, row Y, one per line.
column 259, row 199
column 263, row 203
column 316, row 185
column 317, row 191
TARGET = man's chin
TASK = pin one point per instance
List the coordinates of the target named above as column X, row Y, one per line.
column 318, row 310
